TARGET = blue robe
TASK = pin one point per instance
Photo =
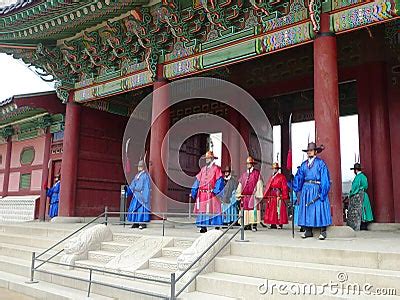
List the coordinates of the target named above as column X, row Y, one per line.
column 204, row 219
column 140, row 203
column 230, row 210
column 319, row 213
column 54, row 194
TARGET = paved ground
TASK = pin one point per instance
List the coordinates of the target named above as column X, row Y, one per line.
column 10, row 295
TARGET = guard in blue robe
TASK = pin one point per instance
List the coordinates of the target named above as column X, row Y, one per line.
column 313, row 183
column 139, row 189
column 54, row 194
column 230, row 208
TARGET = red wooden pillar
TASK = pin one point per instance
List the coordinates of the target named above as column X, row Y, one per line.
column 326, row 111
column 226, row 155
column 69, row 164
column 45, row 174
column 159, row 130
column 394, row 111
column 364, row 127
column 244, row 130
column 6, row 179
column 380, row 143
column 285, row 146
column 234, row 141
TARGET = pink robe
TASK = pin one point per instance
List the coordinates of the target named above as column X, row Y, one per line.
column 249, row 184
column 206, row 201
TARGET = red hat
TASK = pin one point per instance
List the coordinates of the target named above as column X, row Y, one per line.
column 275, row 165
column 250, row 160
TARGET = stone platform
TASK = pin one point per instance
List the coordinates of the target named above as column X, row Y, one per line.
column 270, row 259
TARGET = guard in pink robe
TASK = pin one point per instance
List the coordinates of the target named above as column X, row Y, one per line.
column 250, row 192
column 208, row 184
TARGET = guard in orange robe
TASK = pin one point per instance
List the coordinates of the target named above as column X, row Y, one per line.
column 276, row 193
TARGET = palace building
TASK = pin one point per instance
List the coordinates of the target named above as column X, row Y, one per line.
column 315, row 59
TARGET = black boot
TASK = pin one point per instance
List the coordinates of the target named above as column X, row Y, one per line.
column 280, row 226
column 135, row 226
column 203, row 229
column 302, row 229
column 322, row 235
column 254, row 227
column 307, row 233
column 273, row 226
column 364, row 226
column 263, row 225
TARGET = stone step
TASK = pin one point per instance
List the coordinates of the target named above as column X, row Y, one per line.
column 23, row 252
column 201, row 296
column 246, row 287
column 154, row 274
column 331, row 256
column 305, row 272
column 114, row 246
column 101, row 256
column 126, row 238
column 15, row 266
column 19, row 267
column 91, row 264
column 183, row 242
column 163, row 263
column 172, row 251
column 28, row 240
column 40, row 229
column 44, row 290
column 118, row 281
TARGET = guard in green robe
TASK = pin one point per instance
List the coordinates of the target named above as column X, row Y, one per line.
column 359, row 212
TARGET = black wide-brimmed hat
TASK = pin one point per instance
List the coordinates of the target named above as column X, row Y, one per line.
column 357, row 166
column 313, row 146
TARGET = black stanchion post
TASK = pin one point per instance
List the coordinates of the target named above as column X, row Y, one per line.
column 173, row 283
column 32, row 279
column 163, row 225
column 106, row 215
column 242, row 237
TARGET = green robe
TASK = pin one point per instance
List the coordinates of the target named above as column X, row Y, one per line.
column 360, row 185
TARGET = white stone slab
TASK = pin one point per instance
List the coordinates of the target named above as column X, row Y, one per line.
column 137, row 256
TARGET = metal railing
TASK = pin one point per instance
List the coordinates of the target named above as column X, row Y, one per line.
column 173, row 279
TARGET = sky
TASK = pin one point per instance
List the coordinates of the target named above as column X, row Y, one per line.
column 16, row 78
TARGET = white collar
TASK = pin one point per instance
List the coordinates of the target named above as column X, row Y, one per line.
column 310, row 160
column 250, row 170
column 210, row 165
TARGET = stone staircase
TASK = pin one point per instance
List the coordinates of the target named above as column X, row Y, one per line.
column 160, row 268
column 17, row 242
column 250, row 264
